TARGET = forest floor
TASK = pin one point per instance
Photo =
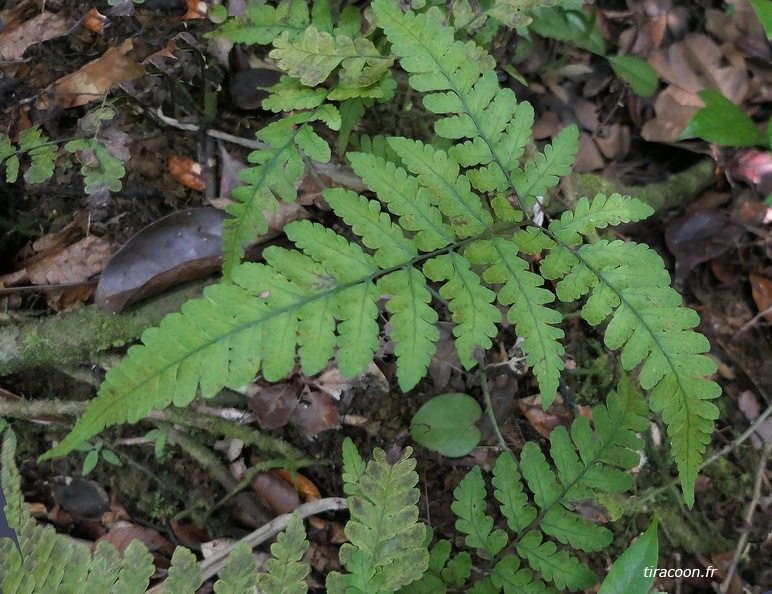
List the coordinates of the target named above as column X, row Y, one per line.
column 155, row 72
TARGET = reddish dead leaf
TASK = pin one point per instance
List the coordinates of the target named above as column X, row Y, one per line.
column 761, row 287
column 91, row 82
column 278, row 494
column 122, row 534
column 588, row 157
column 95, row 21
column 189, row 532
column 197, row 9
column 699, row 237
column 317, row 412
column 180, row 247
column 19, row 33
column 189, row 173
column 557, row 414
column 273, row 405
column 755, row 167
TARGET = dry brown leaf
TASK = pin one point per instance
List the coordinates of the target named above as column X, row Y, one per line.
column 189, row 173
column 18, row 34
column 613, row 141
column 588, row 157
column 93, row 80
column 277, row 493
column 673, row 108
column 74, row 264
column 273, row 405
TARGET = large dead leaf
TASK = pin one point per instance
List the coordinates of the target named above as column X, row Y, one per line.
column 692, row 65
column 18, row 34
column 91, row 82
column 180, row 247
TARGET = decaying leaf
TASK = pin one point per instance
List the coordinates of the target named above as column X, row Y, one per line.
column 189, row 173
column 19, row 33
column 179, row 247
column 93, row 80
column 761, row 287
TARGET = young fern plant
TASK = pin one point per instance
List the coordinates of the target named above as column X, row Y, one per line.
column 458, row 218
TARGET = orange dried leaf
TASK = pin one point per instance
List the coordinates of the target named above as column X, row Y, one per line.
column 189, row 173
column 761, row 287
column 305, row 488
column 95, row 21
column 197, row 9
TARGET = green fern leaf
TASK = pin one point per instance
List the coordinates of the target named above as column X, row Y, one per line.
column 262, row 24
column 386, row 549
column 469, row 507
column 285, row 573
column 184, row 574
column 277, row 170
column 43, row 155
column 546, row 169
column 413, row 321
column 470, row 303
column 406, row 199
column 11, row 159
column 510, row 494
column 312, row 57
column 104, row 568
column 99, row 167
column 565, row 571
column 628, row 282
column 290, row 95
column 240, row 572
column 508, row 576
column 534, row 322
column 602, row 211
column 136, row 569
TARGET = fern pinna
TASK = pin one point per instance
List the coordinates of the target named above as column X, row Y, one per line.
column 456, row 217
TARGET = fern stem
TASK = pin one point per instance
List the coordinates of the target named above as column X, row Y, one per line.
column 217, row 426
column 489, row 409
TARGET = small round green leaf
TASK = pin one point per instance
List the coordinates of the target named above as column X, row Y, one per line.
column 638, row 73
column 447, row 424
column 90, row 462
column 630, row 573
column 217, row 14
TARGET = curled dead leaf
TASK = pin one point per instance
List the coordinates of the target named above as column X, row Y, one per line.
column 189, row 173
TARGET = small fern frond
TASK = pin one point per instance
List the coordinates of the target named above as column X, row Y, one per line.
column 41, row 151
column 99, row 167
column 386, row 549
column 312, row 57
column 240, row 572
column 469, row 507
column 278, row 169
column 261, row 23
column 136, row 570
column 184, row 574
column 628, row 282
column 285, row 573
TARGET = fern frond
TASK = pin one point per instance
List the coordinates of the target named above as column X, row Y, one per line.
column 277, row 170
column 262, row 24
column 184, row 574
column 240, row 572
column 284, row 572
column 99, row 167
column 386, row 549
column 469, row 507
column 627, row 281
column 136, row 570
column 312, row 57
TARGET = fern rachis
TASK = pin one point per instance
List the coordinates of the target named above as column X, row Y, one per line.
column 431, row 218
